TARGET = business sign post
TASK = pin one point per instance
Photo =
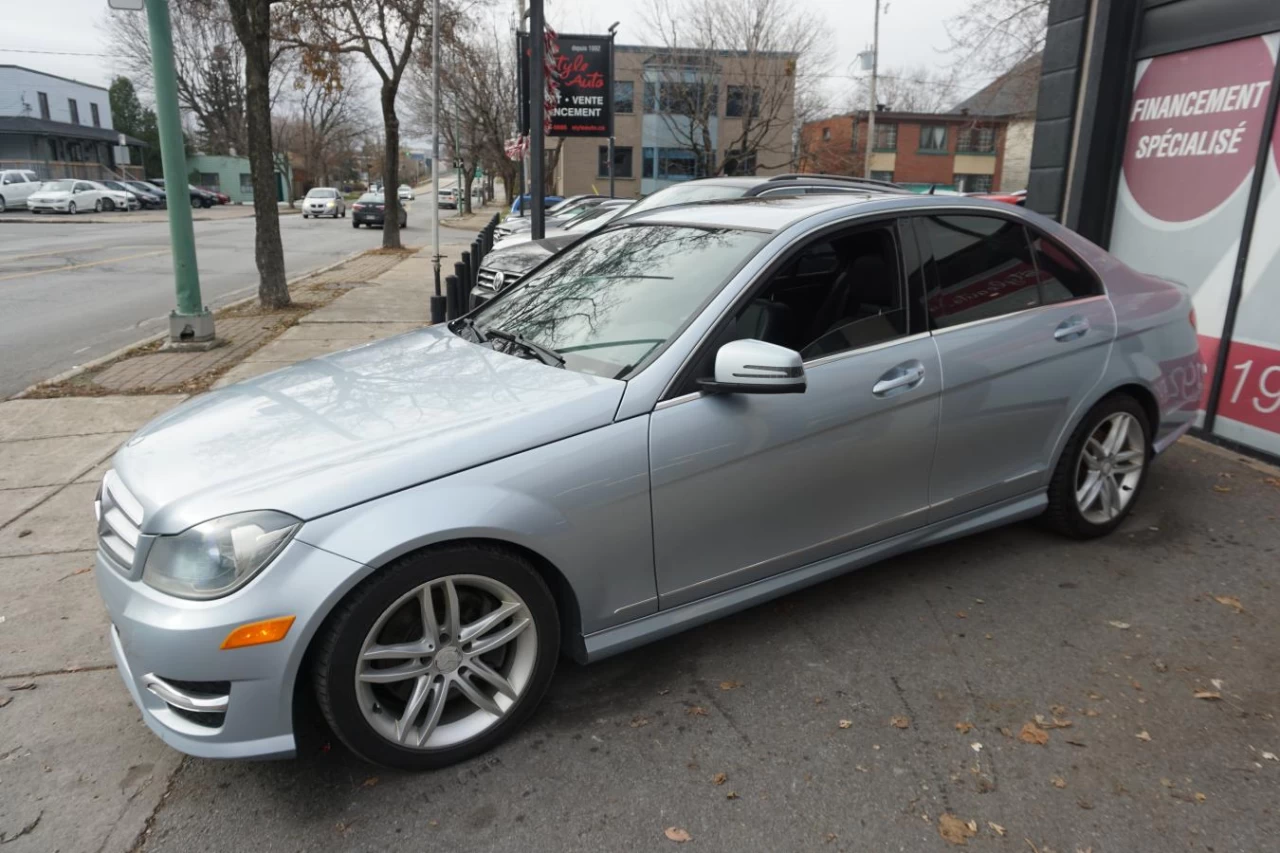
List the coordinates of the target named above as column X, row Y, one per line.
column 584, row 105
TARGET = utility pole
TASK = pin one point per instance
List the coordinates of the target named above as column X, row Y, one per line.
column 190, row 324
column 537, row 110
column 437, row 298
column 871, row 116
column 613, row 32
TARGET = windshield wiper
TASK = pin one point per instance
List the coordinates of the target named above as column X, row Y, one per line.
column 544, row 354
column 478, row 333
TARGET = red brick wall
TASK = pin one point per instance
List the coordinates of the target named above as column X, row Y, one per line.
column 911, row 166
column 832, row 156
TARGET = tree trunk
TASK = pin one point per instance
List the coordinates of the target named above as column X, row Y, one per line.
column 391, row 168
column 252, row 22
column 468, row 178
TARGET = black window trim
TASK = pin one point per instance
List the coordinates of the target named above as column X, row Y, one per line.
column 679, row 384
column 923, row 242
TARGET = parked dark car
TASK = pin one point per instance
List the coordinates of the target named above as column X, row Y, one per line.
column 141, row 187
column 505, row 266
column 522, row 204
column 199, row 197
column 371, row 209
column 146, row 199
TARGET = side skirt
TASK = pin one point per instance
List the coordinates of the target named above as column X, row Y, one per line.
column 629, row 635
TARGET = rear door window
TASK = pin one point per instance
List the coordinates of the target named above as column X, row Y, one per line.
column 1062, row 277
column 982, row 268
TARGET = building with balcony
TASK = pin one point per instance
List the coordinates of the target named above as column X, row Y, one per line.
column 61, row 128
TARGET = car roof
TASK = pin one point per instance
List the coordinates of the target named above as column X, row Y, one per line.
column 775, row 213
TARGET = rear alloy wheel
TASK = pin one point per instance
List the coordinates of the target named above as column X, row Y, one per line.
column 2, row 207
column 438, row 657
column 1102, row 470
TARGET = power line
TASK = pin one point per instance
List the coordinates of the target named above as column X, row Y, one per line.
column 60, row 52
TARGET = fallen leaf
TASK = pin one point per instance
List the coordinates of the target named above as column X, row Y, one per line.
column 900, row 722
column 639, row 721
column 371, row 781
column 1006, row 731
column 1207, row 694
column 1094, row 696
column 996, row 828
column 1272, row 481
column 1160, row 666
column 1135, row 684
column 1223, row 489
column 1200, row 798
column 954, row 830
column 664, row 691
column 1123, row 626
column 1270, row 756
column 730, row 685
column 975, row 746
column 22, row 685
column 1031, row 733
column 676, row 834
column 989, row 637
column 862, row 769
column 960, row 614
column 697, row 711
column 818, row 700
column 1230, row 601
column 433, row 823
column 1143, row 735
column 831, row 836
column 1091, row 712
column 1168, row 783
column 1055, row 723
column 732, row 795
column 1216, row 682
column 1059, row 782
column 1059, row 710
column 964, row 728
column 844, row 724
column 719, row 779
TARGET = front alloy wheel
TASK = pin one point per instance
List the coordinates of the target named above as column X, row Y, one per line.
column 438, row 657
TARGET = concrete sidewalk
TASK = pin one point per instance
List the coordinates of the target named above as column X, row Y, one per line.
column 78, row 769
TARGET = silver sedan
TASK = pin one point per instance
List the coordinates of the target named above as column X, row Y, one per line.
column 687, row 413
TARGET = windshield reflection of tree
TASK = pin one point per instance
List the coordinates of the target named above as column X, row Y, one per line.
column 578, row 298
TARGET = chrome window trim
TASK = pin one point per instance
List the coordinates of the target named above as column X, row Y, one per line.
column 1023, row 313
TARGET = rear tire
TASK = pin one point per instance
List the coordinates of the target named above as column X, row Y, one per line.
column 2, row 206
column 386, row 612
column 97, row 206
column 1102, row 470
column 355, row 224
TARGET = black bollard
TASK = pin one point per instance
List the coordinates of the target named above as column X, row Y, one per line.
column 453, row 299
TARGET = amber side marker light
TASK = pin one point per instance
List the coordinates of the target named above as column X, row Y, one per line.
column 259, row 633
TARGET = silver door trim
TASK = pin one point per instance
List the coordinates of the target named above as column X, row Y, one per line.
column 1024, row 312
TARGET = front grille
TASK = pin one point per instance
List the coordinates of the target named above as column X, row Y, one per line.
column 485, row 277
column 119, row 521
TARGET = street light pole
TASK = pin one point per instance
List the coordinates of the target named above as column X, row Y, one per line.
column 190, row 324
column 871, row 116
column 537, row 110
column 613, row 82
column 437, row 298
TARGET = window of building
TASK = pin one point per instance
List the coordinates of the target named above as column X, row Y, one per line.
column 210, row 180
column 886, row 137
column 933, row 137
column 686, row 97
column 736, row 100
column 624, row 96
column 672, row 164
column 983, row 266
column 246, row 183
column 976, row 140
column 826, row 134
column 621, row 162
column 1062, row 277
column 44, row 104
column 973, row 183
column 75, row 110
column 93, row 115
column 881, row 176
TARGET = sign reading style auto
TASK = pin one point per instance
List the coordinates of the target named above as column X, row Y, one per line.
column 583, row 73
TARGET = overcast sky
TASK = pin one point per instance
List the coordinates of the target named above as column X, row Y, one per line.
column 911, row 33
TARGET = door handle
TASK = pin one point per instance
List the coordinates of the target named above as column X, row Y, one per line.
column 1070, row 329
column 906, row 375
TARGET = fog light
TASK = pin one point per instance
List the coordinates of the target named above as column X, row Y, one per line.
column 259, row 633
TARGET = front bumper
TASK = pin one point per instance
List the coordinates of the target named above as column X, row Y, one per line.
column 198, row 698
column 321, row 211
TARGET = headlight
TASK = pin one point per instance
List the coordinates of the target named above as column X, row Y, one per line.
column 218, row 556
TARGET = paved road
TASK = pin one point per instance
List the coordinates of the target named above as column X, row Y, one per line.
column 70, row 292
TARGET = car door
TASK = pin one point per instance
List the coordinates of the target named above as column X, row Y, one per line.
column 749, row 485
column 1024, row 332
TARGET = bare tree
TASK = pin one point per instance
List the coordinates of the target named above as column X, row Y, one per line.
column 327, row 120
column 993, row 36
column 384, row 33
column 753, row 56
column 908, row 90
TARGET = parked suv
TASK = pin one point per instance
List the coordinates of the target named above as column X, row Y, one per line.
column 16, row 186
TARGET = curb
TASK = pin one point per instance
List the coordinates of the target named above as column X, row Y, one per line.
column 73, row 372
column 32, row 219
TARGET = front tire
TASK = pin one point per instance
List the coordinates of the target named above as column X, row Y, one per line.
column 355, row 224
column 1102, row 470
column 438, row 657
column 71, row 209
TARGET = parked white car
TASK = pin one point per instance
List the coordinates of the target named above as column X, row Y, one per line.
column 74, row 196
column 324, row 201
column 16, row 186
column 405, row 192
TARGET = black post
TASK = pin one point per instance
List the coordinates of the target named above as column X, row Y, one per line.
column 452, row 296
column 537, row 91
column 612, row 83
column 464, row 270
column 439, row 308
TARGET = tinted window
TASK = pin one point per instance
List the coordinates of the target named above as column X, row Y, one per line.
column 1062, row 278
column 982, row 267
column 609, row 301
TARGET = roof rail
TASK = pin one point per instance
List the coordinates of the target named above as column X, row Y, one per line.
column 852, row 179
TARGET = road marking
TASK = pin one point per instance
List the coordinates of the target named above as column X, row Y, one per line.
column 4, row 258
column 70, row 267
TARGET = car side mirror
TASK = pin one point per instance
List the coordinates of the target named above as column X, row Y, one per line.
column 755, row 367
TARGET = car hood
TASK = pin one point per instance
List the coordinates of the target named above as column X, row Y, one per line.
column 345, row 428
column 51, row 195
column 523, row 255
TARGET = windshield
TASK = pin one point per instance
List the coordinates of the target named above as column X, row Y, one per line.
column 57, row 186
column 319, row 193
column 373, row 198
column 609, row 301
column 683, row 193
column 595, row 216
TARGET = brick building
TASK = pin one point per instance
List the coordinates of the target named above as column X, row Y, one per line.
column 946, row 150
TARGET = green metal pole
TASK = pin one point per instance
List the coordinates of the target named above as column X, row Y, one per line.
column 169, row 123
